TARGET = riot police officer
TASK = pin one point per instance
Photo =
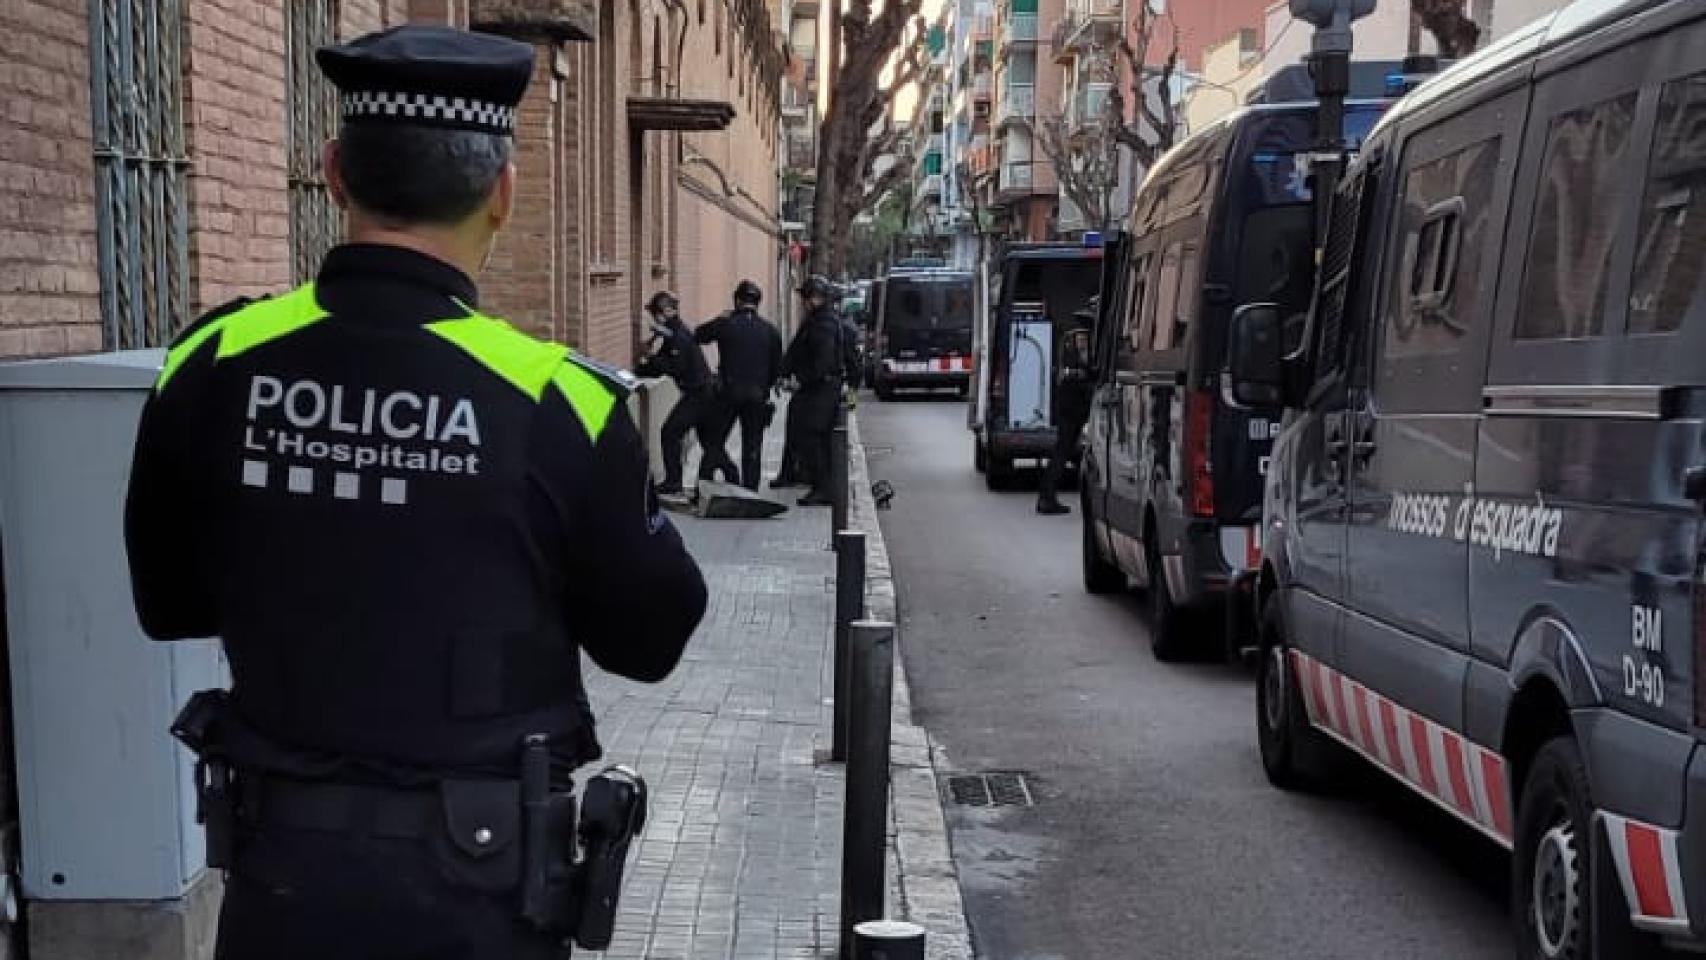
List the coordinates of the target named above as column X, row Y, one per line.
column 405, row 520
column 676, row 354
column 814, row 360
column 749, row 364
column 1073, row 395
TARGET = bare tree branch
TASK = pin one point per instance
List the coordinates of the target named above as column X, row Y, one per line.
column 1087, row 168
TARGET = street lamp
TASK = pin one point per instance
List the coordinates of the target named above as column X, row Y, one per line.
column 1330, row 65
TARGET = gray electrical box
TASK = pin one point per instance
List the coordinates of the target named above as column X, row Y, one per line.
column 106, row 806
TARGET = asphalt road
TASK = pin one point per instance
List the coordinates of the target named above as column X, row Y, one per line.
column 1154, row 834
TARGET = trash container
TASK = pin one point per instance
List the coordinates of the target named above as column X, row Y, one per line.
column 106, row 808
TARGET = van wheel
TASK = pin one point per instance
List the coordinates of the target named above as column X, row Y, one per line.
column 979, row 454
column 1295, row 756
column 1552, row 897
column 1166, row 620
column 1100, row 576
column 998, row 471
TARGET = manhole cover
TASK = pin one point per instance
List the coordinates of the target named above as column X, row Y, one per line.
column 990, row 790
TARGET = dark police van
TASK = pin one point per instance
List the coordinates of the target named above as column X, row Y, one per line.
column 1482, row 565
column 923, row 331
column 1039, row 289
column 1172, row 473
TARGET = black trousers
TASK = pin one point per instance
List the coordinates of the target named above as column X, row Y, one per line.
column 816, row 409
column 751, row 415
column 1066, row 435
column 696, row 410
column 792, row 469
column 308, row 895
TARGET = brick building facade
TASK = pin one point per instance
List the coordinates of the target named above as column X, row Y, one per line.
column 119, row 221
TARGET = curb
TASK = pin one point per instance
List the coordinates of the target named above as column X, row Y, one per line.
column 925, row 886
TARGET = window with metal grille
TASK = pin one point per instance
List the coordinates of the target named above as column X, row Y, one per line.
column 315, row 222
column 137, row 80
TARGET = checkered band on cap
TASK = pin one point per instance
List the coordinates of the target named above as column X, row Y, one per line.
column 460, row 111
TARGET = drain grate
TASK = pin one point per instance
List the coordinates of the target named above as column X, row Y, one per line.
column 1003, row 789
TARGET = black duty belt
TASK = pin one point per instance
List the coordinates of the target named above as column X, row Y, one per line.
column 390, row 812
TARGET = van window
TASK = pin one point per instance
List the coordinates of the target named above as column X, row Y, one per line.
column 1671, row 257
column 1167, row 298
column 1131, row 339
column 1442, row 234
column 1584, row 180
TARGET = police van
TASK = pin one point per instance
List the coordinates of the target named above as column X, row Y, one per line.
column 923, row 332
column 1482, row 552
column 1172, row 474
column 1040, row 288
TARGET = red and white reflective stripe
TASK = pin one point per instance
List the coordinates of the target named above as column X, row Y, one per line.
column 1442, row 765
column 1648, row 865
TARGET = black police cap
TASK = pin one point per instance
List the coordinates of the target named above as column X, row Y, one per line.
column 430, row 76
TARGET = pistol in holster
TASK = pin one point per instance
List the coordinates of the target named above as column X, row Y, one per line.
column 198, row 727
column 560, row 894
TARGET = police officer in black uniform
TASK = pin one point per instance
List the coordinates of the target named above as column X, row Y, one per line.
column 749, row 365
column 676, row 354
column 814, row 360
column 1073, row 394
column 405, row 519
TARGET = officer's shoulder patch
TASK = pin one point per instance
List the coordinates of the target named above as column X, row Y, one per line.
column 621, row 382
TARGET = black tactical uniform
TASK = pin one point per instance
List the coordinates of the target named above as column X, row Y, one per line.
column 405, row 520
column 1073, row 395
column 749, row 364
column 815, row 360
column 676, row 354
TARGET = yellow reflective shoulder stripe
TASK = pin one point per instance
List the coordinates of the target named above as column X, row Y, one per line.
column 269, row 320
column 525, row 362
column 591, row 400
column 247, row 328
column 186, row 348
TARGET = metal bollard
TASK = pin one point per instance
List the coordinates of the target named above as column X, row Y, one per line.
column 838, row 454
column 888, row 940
column 865, row 817
column 849, row 606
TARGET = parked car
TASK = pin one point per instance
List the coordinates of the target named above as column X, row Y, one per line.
column 1172, row 474
column 1481, row 564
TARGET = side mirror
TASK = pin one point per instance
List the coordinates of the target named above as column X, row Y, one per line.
column 1257, row 356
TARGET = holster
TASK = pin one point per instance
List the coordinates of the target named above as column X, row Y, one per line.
column 562, row 896
column 199, row 727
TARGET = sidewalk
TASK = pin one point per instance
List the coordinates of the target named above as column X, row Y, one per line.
column 741, row 858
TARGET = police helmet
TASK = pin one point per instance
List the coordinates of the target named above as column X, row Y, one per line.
column 747, row 294
column 663, row 302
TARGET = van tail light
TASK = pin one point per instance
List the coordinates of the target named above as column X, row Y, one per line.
column 1199, row 470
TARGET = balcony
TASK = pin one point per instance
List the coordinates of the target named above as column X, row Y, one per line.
column 930, row 186
column 1087, row 25
column 982, row 86
column 1020, row 29
column 1018, row 104
column 1017, row 178
column 934, row 144
column 802, row 153
column 1089, row 106
column 805, row 9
